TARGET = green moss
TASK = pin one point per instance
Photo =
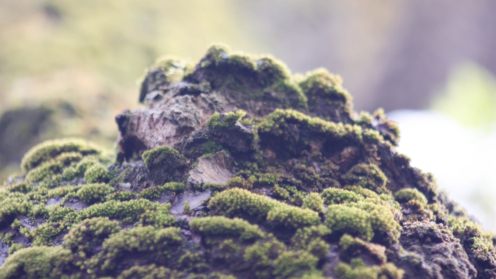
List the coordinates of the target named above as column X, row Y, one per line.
column 238, row 202
column 149, row 272
column 155, row 192
column 48, row 150
column 187, row 210
column 294, row 263
column 58, row 213
column 280, row 193
column 357, row 269
column 217, row 121
column 49, row 169
column 368, row 176
column 292, row 217
column 85, row 164
column 261, row 255
column 10, row 208
column 97, row 174
column 164, row 158
column 21, row 188
column 121, row 196
column 37, row 262
column 305, row 235
column 210, row 147
column 239, row 182
column 313, row 202
column 409, row 194
column 88, row 234
column 320, row 83
column 93, row 193
column 136, row 240
column 46, row 233
column 338, row 196
column 214, row 187
column 130, row 211
column 222, row 226
column 352, row 247
column 16, row 247
column 343, row 219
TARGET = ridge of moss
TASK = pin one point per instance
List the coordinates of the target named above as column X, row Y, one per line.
column 50, row 149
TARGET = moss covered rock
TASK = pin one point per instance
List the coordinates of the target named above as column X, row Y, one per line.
column 236, row 169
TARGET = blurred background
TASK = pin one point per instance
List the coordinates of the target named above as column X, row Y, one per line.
column 67, row 67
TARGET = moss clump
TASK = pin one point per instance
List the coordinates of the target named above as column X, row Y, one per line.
column 50, row 149
column 239, row 182
column 246, row 77
column 367, row 176
column 338, row 196
column 48, row 170
column 280, row 193
column 37, row 262
column 163, row 157
column 97, row 174
column 345, row 219
column 136, row 240
column 156, row 192
column 313, row 202
column 407, row 195
column 240, row 202
column 218, row 122
column 357, row 269
column 21, row 188
column 222, row 226
column 93, row 193
column 142, row 210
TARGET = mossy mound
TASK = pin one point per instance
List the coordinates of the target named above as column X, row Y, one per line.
column 237, row 169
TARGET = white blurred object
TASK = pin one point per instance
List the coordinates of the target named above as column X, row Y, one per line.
column 462, row 160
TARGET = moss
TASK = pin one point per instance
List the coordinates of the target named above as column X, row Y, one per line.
column 93, row 193
column 187, row 210
column 163, row 158
column 321, row 84
column 305, row 235
column 37, row 262
column 217, row 121
column 149, row 272
column 236, row 202
column 280, row 193
column 58, row 213
column 352, row 247
column 16, row 247
column 214, row 187
column 313, row 202
column 155, row 192
column 51, row 168
column 10, row 208
column 260, row 256
column 338, row 196
column 293, row 263
column 239, row 182
column 136, row 240
column 46, row 233
column 48, row 150
column 357, row 269
column 88, row 234
column 343, row 219
column 222, row 226
column 121, row 196
column 368, row 176
column 85, row 164
column 409, row 194
column 97, row 174
column 130, row 211
column 21, row 188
